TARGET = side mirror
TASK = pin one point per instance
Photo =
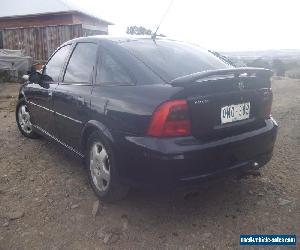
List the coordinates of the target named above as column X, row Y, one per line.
column 35, row 77
column 25, row 78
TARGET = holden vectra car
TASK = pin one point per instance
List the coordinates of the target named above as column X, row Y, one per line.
column 149, row 113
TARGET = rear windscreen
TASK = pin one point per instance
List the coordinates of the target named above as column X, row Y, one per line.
column 170, row 59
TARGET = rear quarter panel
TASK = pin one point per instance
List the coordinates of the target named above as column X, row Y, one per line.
column 127, row 110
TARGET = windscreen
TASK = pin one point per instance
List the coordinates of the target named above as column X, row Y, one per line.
column 171, row 59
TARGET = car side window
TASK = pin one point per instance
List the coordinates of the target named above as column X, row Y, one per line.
column 81, row 63
column 54, row 65
column 109, row 71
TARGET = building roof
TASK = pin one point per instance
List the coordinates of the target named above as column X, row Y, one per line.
column 20, row 8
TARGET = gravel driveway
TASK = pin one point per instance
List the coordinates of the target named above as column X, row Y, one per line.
column 46, row 201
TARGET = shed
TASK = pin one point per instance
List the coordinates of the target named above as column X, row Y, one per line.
column 38, row 28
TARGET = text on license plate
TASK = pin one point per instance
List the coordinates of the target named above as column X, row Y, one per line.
column 235, row 112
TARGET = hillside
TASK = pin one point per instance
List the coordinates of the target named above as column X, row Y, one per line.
column 284, row 54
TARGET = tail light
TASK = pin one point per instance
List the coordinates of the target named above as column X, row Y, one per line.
column 170, row 119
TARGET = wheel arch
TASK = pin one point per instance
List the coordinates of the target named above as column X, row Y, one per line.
column 89, row 128
column 21, row 94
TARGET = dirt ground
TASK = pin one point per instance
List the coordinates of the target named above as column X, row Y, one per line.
column 46, row 201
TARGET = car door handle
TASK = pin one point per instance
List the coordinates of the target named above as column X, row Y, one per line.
column 50, row 93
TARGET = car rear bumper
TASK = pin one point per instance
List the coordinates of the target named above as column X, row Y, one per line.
column 154, row 162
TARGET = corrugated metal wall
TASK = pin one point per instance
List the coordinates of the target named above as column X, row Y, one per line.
column 40, row 42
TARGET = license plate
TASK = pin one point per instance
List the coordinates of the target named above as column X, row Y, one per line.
column 235, row 112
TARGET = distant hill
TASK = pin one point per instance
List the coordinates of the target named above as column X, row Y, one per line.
column 284, row 54
column 289, row 60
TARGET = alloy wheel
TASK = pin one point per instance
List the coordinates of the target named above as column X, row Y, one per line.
column 24, row 119
column 99, row 166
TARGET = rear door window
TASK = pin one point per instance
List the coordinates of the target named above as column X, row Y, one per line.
column 109, row 71
column 55, row 63
column 81, row 64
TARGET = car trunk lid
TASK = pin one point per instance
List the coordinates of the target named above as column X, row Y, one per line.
column 209, row 91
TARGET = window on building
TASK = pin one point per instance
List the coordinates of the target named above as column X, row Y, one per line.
column 1, row 39
column 81, row 64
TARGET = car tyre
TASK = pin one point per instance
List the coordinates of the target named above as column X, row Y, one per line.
column 102, row 172
column 23, row 120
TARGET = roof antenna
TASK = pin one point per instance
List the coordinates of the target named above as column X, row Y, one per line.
column 163, row 18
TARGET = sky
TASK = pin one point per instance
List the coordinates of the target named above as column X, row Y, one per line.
column 221, row 25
